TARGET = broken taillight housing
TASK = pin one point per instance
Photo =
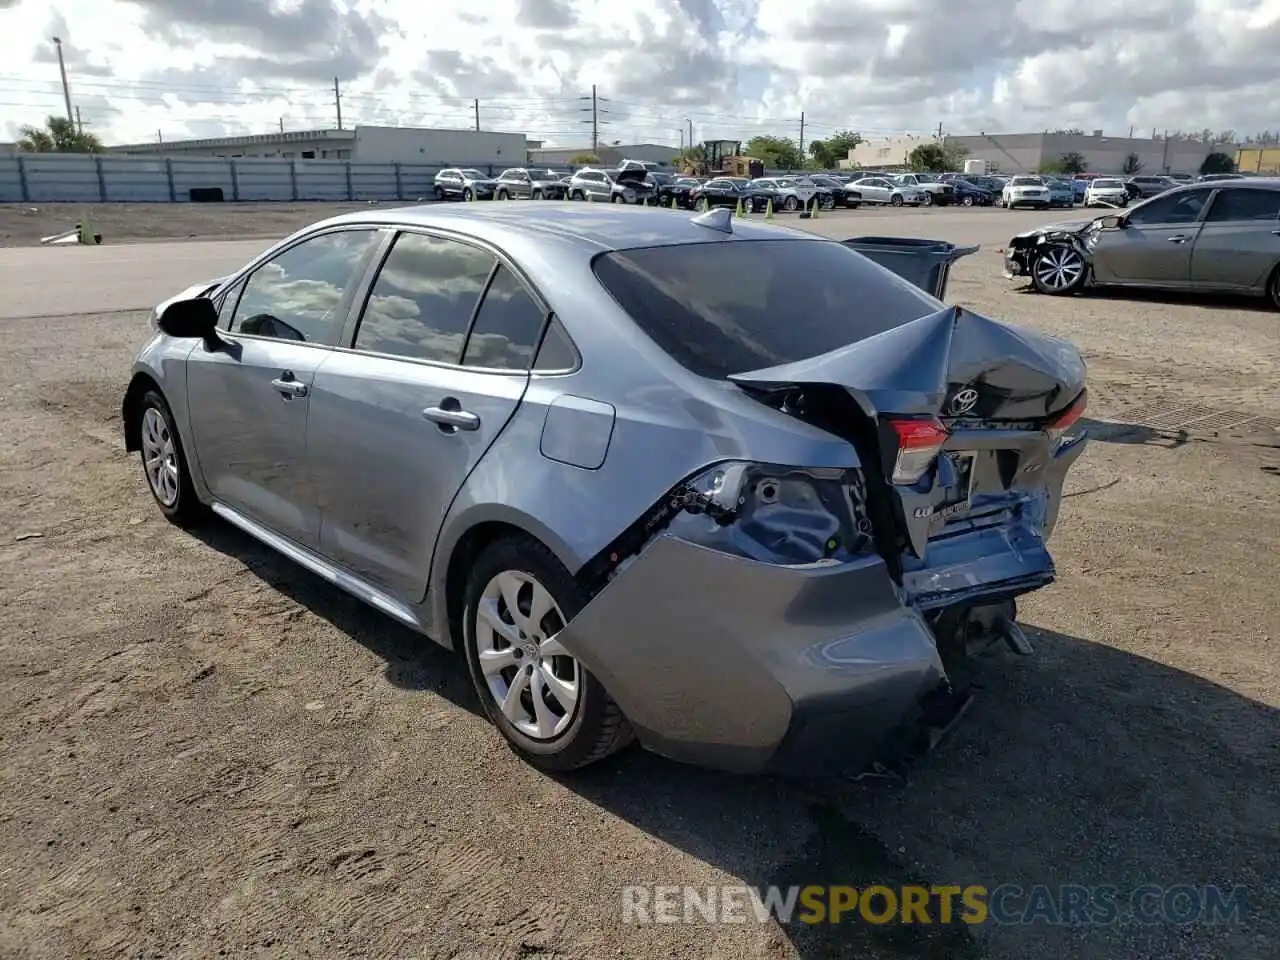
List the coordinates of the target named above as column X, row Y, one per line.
column 1068, row 418
column 919, row 441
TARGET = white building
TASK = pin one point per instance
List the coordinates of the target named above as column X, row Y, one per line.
column 361, row 144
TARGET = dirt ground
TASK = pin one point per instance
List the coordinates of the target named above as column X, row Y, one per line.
column 206, row 751
column 23, row 224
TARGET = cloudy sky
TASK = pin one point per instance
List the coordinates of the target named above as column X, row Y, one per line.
column 140, row 69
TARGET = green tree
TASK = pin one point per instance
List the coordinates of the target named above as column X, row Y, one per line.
column 828, row 153
column 586, row 158
column 928, row 157
column 1218, row 163
column 777, row 152
column 1071, row 162
column 1132, row 165
column 59, row 135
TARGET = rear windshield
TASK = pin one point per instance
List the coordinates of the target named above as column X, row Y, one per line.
column 725, row 308
column 1107, row 184
column 1026, row 182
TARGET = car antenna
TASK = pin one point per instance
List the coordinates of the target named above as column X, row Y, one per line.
column 721, row 219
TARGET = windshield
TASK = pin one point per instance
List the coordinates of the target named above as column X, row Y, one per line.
column 926, row 178
column 661, row 177
column 474, row 174
column 1108, row 184
column 725, row 308
column 1026, row 182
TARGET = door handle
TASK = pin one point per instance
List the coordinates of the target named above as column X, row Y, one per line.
column 1180, row 238
column 288, row 386
column 451, row 417
column 1275, row 233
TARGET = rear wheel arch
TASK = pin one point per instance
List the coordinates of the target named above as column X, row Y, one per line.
column 468, row 548
column 131, row 408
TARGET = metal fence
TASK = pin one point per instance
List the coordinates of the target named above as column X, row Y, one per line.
column 84, row 178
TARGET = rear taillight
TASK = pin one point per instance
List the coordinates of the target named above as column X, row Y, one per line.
column 918, row 444
column 1068, row 418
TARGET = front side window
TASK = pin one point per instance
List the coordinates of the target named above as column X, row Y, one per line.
column 725, row 308
column 1240, row 204
column 300, row 294
column 421, row 304
column 1171, row 208
column 506, row 330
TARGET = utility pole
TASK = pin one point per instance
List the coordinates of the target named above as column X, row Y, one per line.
column 282, row 124
column 337, row 101
column 66, row 88
column 595, row 120
column 79, row 122
column 938, row 136
column 1164, row 160
column 690, row 123
column 159, row 135
column 802, row 136
column 476, row 104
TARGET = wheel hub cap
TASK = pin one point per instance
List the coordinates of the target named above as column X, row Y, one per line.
column 533, row 680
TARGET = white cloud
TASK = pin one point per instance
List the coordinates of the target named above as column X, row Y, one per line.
column 734, row 67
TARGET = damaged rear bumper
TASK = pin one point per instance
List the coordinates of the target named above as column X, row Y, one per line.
column 753, row 667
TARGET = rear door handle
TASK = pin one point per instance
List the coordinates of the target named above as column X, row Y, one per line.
column 452, row 416
column 289, row 386
column 1180, row 238
column 1275, row 233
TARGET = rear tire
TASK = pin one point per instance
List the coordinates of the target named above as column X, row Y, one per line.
column 967, row 201
column 439, row 192
column 1273, row 288
column 576, row 195
column 1058, row 270
column 164, row 462
column 573, row 721
column 467, row 194
column 503, row 195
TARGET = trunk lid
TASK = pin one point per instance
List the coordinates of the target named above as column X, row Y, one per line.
column 966, row 419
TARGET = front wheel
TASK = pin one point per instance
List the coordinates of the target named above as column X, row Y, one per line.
column 503, row 195
column 703, row 204
column 791, row 204
column 967, row 201
column 928, row 199
column 576, row 195
column 547, row 705
column 896, row 200
column 164, row 463
column 438, row 191
column 467, row 194
column 1058, row 270
column 1273, row 288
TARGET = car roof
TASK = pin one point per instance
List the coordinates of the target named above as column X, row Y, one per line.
column 1248, row 183
column 594, row 227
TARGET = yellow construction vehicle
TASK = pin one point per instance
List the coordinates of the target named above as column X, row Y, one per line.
column 722, row 158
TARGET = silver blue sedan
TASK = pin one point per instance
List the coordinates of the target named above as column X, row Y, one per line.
column 729, row 489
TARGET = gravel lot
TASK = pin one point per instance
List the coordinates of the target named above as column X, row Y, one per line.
column 205, row 751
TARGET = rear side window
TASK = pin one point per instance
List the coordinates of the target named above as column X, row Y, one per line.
column 421, row 304
column 507, row 328
column 1238, row 204
column 725, row 308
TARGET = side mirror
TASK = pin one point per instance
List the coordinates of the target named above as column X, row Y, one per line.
column 191, row 318
column 1112, row 221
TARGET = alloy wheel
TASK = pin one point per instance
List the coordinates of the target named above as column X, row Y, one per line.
column 1059, row 268
column 531, row 677
column 160, row 457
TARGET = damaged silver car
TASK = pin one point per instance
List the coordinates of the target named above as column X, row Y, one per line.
column 729, row 489
column 1219, row 237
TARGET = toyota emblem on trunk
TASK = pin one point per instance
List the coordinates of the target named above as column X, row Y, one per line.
column 962, row 401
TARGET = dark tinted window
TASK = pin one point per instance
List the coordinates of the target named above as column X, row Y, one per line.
column 556, row 352
column 1171, row 208
column 421, row 304
column 299, row 294
column 507, row 327
column 725, row 308
column 1245, row 205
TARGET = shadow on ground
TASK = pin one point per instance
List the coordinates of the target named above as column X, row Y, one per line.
column 412, row 661
column 1221, row 301
column 1083, row 764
